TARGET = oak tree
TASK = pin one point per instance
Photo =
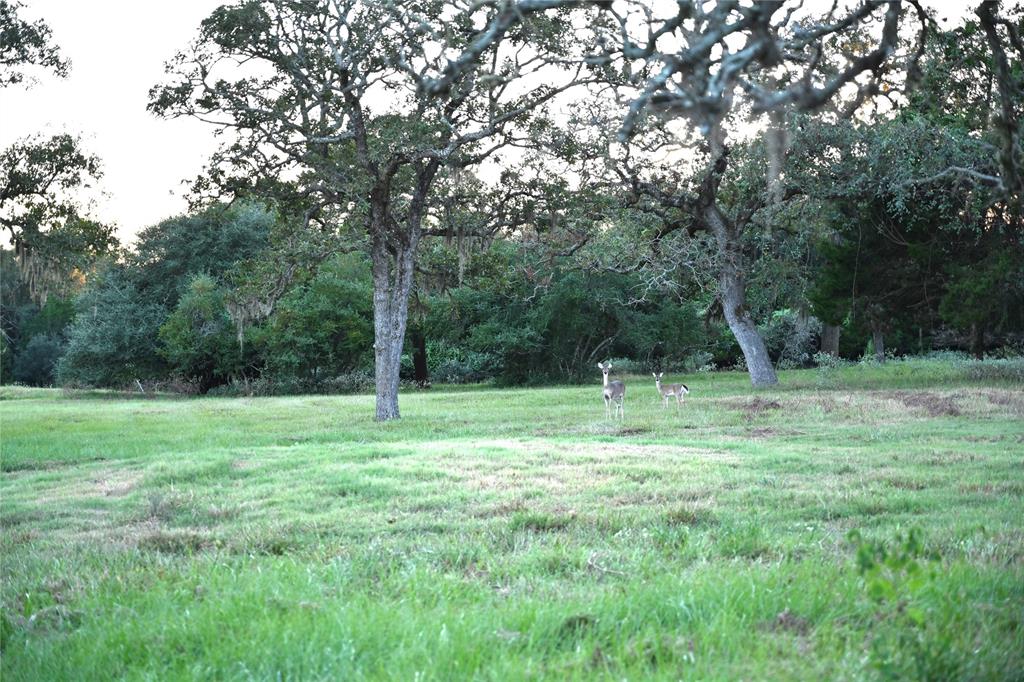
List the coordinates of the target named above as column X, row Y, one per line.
column 344, row 96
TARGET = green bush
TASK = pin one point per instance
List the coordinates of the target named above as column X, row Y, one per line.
column 198, row 339
column 113, row 339
column 324, row 326
column 791, row 339
column 36, row 364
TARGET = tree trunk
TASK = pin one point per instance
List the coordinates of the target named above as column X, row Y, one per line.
column 978, row 340
column 393, row 253
column 419, row 358
column 830, row 339
column 878, row 341
column 732, row 288
column 392, row 284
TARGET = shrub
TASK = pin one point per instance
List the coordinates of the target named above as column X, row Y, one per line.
column 791, row 338
column 36, row 364
column 1007, row 369
column 699, row 361
column 198, row 338
column 113, row 338
column 824, row 360
column 471, row 367
column 356, row 381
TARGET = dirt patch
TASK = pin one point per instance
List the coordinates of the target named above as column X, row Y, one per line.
column 905, row 484
column 115, row 483
column 107, row 482
column 787, row 621
column 174, row 542
column 934, row 404
column 506, row 508
column 1012, row 399
column 753, row 408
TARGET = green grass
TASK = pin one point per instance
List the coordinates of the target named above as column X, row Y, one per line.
column 518, row 534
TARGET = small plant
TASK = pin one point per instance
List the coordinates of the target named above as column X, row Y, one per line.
column 825, row 360
column 888, row 572
column 911, row 639
column 699, row 361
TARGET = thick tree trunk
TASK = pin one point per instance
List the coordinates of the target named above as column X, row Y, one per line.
column 392, row 284
column 878, row 341
column 393, row 253
column 830, row 339
column 732, row 288
column 733, row 292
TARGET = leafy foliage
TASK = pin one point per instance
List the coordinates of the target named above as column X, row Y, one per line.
column 168, row 255
column 23, row 44
column 36, row 363
column 198, row 339
column 54, row 243
column 113, row 339
column 323, row 327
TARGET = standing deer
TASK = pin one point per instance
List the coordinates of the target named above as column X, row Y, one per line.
column 669, row 390
column 614, row 392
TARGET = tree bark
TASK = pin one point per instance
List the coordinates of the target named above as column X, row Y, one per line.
column 733, row 292
column 830, row 339
column 978, row 340
column 878, row 341
column 393, row 254
column 392, row 284
column 732, row 288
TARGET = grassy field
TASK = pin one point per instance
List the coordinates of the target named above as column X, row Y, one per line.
column 855, row 523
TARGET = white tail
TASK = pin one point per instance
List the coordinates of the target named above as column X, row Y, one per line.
column 614, row 393
column 678, row 391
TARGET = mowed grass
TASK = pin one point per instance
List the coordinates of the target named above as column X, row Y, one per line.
column 518, row 534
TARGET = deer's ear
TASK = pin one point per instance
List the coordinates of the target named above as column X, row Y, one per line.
column 600, row 366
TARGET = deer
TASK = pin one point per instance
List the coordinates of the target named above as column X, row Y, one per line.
column 614, row 392
column 670, row 390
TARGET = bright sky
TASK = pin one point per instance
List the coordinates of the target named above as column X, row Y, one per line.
column 117, row 50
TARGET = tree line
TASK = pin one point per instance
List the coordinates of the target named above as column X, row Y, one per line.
column 514, row 190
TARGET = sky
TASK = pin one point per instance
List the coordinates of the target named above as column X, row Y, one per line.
column 117, row 50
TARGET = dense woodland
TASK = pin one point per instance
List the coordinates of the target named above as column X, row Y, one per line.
column 454, row 192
